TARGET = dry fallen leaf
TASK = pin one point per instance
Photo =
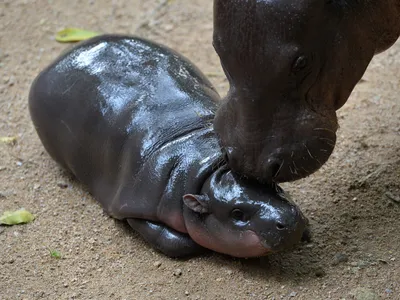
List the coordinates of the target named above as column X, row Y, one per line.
column 71, row 35
column 19, row 216
column 8, row 140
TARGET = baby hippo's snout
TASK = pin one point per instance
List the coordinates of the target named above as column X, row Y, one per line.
column 282, row 225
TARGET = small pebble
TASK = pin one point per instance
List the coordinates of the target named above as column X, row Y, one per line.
column 320, row 272
column 157, row 264
column 364, row 294
column 186, row 293
column 354, row 249
column 41, row 294
column 340, row 258
column 363, row 264
column 62, row 185
column 394, row 198
column 65, row 284
column 292, row 294
column 168, row 27
column 382, row 261
column 177, row 272
column 10, row 81
column 388, row 291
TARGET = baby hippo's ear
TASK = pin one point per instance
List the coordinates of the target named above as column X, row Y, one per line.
column 197, row 203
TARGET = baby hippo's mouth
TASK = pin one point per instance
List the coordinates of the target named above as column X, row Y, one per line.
column 251, row 245
column 266, row 243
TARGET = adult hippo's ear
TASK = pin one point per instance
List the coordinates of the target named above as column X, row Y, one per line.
column 197, row 203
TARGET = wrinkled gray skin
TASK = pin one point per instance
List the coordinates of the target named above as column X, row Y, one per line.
column 291, row 64
column 132, row 120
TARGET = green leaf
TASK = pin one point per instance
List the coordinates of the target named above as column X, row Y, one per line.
column 55, row 254
column 8, row 140
column 20, row 216
column 71, row 35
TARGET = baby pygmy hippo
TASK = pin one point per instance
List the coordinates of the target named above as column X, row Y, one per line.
column 132, row 120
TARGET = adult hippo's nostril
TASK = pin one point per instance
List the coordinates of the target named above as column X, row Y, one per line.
column 270, row 170
column 280, row 226
column 275, row 168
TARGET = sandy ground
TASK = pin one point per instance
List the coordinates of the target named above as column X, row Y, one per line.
column 355, row 253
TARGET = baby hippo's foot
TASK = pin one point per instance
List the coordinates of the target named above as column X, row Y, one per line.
column 170, row 242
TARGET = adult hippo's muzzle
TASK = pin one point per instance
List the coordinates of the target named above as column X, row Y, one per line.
column 290, row 66
column 285, row 144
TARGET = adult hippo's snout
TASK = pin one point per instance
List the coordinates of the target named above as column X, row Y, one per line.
column 290, row 66
column 284, row 145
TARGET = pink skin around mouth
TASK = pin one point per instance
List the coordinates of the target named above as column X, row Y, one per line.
column 248, row 244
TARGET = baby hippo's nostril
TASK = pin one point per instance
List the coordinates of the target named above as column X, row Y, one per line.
column 280, row 226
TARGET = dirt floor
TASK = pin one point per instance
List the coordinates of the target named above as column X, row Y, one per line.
column 353, row 202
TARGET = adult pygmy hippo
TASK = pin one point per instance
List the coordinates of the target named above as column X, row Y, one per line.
column 291, row 64
column 132, row 120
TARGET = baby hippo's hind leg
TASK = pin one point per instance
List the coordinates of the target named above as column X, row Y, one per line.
column 170, row 242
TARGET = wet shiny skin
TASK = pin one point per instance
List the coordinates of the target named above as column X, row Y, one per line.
column 132, row 120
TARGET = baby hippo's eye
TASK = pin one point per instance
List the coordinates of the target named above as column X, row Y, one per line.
column 238, row 215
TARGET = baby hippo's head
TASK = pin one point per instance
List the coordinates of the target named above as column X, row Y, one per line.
column 242, row 218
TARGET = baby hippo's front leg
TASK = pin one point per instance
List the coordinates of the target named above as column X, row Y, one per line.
column 170, row 242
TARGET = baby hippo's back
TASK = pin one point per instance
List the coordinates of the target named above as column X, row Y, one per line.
column 114, row 93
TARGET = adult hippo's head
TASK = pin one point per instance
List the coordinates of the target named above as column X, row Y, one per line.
column 291, row 64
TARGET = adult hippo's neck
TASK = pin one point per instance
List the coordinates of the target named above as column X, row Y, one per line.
column 382, row 22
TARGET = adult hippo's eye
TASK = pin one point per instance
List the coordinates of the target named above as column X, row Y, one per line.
column 238, row 215
column 300, row 63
